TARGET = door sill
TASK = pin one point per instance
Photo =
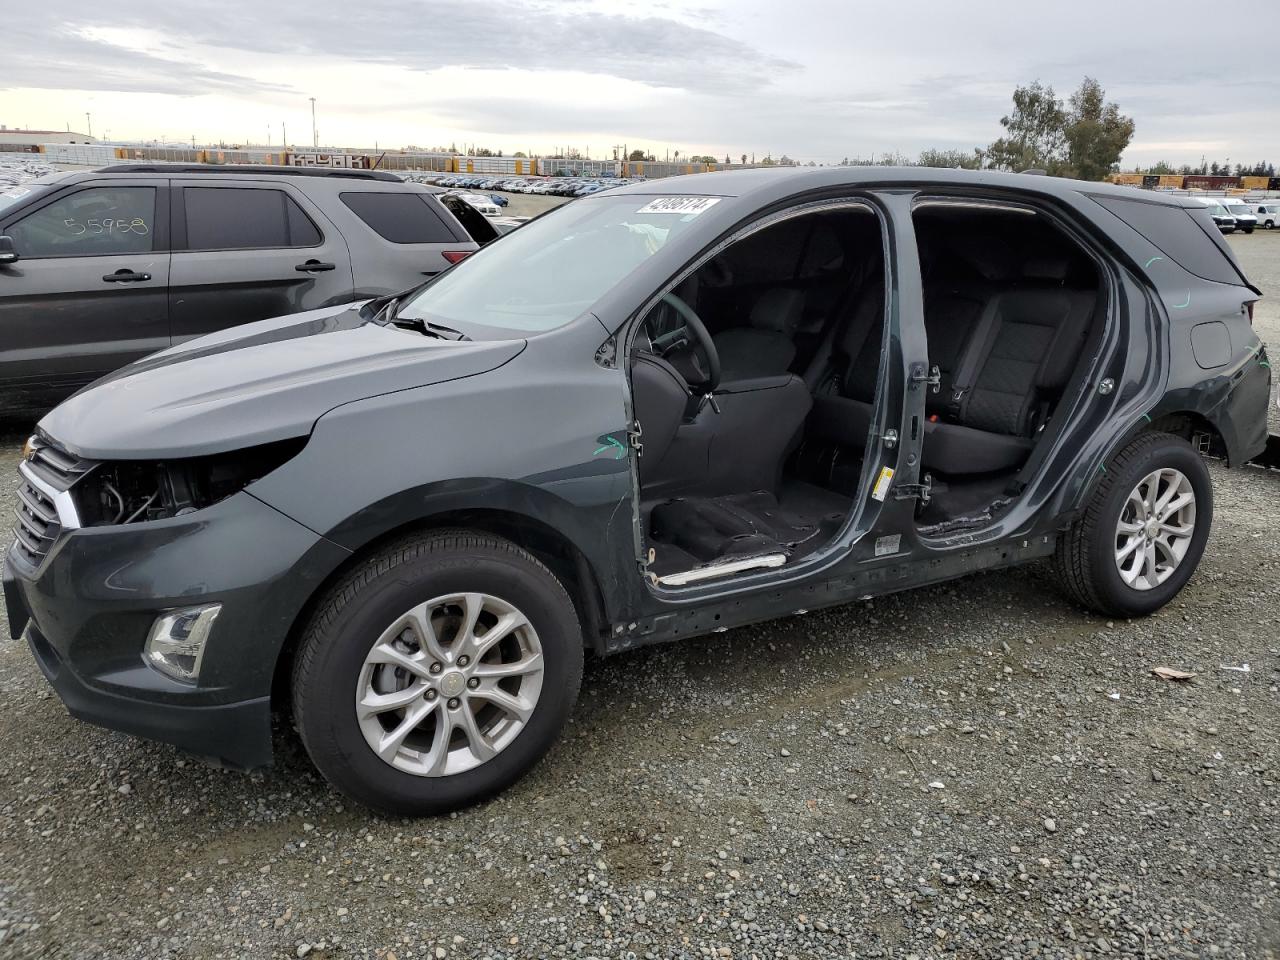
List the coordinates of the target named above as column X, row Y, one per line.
column 722, row 569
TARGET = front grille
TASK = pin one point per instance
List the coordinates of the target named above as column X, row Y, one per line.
column 38, row 525
column 43, row 510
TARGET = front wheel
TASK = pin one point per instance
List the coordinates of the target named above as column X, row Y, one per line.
column 437, row 673
column 1143, row 531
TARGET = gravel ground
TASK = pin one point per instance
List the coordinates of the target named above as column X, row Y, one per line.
column 974, row 770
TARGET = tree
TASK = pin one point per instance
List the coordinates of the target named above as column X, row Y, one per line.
column 1083, row 139
column 1034, row 137
column 636, row 155
column 1096, row 133
column 744, row 159
column 520, row 154
column 950, row 159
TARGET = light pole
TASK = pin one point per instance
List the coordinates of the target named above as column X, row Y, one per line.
column 315, row 137
column 88, row 122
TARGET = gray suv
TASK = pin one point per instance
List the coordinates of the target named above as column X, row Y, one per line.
column 99, row 268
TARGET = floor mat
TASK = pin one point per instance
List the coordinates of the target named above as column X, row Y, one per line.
column 694, row 531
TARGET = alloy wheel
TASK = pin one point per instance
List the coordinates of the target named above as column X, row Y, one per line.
column 450, row 684
column 1156, row 526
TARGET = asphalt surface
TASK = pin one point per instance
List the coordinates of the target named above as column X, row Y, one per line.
column 974, row 770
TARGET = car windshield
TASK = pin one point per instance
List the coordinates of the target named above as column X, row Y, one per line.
column 1217, row 209
column 9, row 195
column 552, row 270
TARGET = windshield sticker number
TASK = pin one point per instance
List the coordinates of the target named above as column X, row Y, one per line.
column 686, row 206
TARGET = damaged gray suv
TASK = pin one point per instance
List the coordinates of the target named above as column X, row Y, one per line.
column 666, row 410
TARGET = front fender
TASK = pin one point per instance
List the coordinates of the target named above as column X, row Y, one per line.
column 524, row 439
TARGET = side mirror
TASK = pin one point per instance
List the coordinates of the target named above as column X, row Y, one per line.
column 8, row 253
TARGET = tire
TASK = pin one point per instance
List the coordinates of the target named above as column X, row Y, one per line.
column 1270, row 224
column 1248, row 230
column 352, row 625
column 1087, row 557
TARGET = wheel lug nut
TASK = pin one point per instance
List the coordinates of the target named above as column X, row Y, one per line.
column 473, row 682
column 436, row 668
column 453, row 703
column 463, row 660
column 431, row 694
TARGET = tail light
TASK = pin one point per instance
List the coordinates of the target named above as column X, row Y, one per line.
column 455, row 256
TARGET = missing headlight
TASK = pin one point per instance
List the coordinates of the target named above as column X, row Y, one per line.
column 131, row 491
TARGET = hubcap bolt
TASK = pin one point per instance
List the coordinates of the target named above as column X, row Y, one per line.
column 453, row 703
column 431, row 694
column 436, row 668
column 463, row 660
column 473, row 682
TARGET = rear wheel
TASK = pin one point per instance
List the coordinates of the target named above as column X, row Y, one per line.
column 1143, row 531
column 437, row 673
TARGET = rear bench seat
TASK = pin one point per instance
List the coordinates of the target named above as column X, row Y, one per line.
column 1004, row 358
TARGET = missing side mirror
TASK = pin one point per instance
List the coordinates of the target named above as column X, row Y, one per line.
column 8, row 253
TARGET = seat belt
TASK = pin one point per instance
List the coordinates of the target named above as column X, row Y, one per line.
column 974, row 357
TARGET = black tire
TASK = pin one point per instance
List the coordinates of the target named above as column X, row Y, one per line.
column 1086, row 563
column 354, row 613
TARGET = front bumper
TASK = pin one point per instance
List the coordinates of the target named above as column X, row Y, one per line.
column 86, row 609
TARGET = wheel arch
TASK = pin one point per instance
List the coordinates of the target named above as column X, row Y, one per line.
column 549, row 545
column 1192, row 426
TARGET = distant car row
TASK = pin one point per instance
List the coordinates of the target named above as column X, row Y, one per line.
column 546, row 186
column 1232, row 213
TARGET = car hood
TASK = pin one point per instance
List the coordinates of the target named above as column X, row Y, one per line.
column 257, row 383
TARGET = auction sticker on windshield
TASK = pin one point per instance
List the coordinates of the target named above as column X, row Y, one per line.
column 689, row 206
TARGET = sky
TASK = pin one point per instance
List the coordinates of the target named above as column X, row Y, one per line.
column 814, row 79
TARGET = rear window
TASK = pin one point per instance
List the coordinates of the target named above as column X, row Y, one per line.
column 1188, row 237
column 241, row 218
column 400, row 217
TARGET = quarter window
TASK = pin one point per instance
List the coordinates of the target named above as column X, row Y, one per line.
column 399, row 217
column 95, row 222
column 235, row 218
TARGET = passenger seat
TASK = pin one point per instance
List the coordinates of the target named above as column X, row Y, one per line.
column 765, row 348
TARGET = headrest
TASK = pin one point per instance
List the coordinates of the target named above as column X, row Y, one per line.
column 1046, row 268
column 778, row 310
column 988, row 254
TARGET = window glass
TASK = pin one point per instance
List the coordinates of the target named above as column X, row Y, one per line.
column 399, row 217
column 238, row 218
column 554, row 268
column 1182, row 234
column 472, row 220
column 97, row 221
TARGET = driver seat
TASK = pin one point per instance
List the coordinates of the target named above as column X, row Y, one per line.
column 687, row 448
column 765, row 348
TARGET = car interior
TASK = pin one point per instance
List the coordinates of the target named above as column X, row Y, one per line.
column 754, row 380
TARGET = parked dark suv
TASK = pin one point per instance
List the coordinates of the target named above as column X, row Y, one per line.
column 100, row 268
column 662, row 411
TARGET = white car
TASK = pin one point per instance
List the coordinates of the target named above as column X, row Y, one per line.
column 482, row 203
column 1243, row 212
column 1267, row 212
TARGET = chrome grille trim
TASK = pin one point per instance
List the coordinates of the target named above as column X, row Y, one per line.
column 63, row 504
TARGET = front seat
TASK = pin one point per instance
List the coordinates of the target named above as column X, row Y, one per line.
column 766, row 347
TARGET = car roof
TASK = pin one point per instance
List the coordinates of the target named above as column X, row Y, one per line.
column 334, row 177
column 762, row 182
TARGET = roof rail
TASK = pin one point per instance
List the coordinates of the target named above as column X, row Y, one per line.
column 253, row 169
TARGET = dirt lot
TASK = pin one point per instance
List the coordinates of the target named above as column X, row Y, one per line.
column 976, row 770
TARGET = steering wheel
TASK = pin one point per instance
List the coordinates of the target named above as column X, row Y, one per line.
column 700, row 334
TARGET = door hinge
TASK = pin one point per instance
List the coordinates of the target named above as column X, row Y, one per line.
column 633, row 437
column 932, row 379
column 914, row 491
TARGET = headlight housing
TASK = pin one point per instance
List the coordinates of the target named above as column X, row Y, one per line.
column 132, row 491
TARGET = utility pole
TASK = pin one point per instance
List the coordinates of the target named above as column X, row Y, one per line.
column 268, row 135
column 89, row 122
column 284, row 135
column 315, row 137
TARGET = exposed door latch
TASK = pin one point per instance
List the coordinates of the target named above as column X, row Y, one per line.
column 890, row 438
